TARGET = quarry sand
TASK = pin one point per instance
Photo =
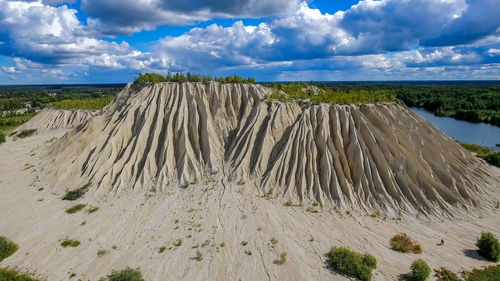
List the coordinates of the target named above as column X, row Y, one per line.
column 229, row 202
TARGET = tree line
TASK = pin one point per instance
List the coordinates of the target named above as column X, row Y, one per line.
column 189, row 77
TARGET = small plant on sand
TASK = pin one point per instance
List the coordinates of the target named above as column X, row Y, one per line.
column 26, row 133
column 403, row 243
column 101, row 252
column 12, row 275
column 352, row 264
column 76, row 193
column 488, row 273
column 444, row 274
column 199, row 256
column 70, row 243
column 75, row 208
column 420, row 270
column 7, row 248
column 282, row 258
column 177, row 243
column 288, row 204
column 222, row 244
column 127, row 274
column 248, row 252
column 162, row 249
column 273, row 241
column 244, row 243
column 488, row 247
column 92, row 210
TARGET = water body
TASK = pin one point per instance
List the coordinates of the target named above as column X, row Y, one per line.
column 478, row 133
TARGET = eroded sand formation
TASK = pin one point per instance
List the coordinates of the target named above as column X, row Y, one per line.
column 51, row 119
column 181, row 188
column 374, row 156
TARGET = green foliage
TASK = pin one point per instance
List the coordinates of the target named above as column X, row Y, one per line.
column 76, row 193
column 10, row 121
column 282, row 258
column 7, row 248
column 127, row 274
column 488, row 247
column 444, row 274
column 199, row 256
column 2, row 137
column 420, row 270
column 26, row 133
column 12, row 275
column 403, row 243
column 352, row 264
column 70, row 243
column 320, row 94
column 485, row 153
column 75, row 208
column 189, row 77
column 490, row 273
column 85, row 104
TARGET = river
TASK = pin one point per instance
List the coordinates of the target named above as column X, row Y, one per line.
column 478, row 133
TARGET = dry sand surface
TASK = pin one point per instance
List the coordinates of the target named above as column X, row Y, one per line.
column 227, row 206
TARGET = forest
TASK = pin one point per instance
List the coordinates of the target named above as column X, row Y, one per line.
column 189, row 77
column 469, row 102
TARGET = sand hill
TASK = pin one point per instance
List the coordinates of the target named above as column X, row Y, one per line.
column 376, row 156
column 210, row 181
column 51, row 119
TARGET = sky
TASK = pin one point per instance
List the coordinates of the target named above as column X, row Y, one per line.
column 112, row 41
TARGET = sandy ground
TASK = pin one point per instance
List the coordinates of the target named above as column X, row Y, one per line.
column 131, row 227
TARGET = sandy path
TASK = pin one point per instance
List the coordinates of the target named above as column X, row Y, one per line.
column 203, row 216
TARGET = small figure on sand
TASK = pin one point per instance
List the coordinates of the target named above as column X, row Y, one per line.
column 441, row 243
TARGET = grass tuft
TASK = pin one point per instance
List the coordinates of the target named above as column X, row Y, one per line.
column 7, row 248
column 12, row 275
column 403, row 243
column 127, row 274
column 76, row 208
column 76, row 193
column 70, row 243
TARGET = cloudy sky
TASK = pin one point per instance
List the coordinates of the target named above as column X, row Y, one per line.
column 108, row 41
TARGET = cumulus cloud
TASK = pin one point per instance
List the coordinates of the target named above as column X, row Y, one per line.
column 129, row 16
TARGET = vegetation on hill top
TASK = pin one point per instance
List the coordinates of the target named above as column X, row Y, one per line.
column 11, row 121
column 492, row 157
column 470, row 102
column 85, row 104
column 320, row 94
column 352, row 264
column 189, row 77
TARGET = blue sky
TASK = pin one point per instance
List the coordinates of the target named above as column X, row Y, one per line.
column 110, row 41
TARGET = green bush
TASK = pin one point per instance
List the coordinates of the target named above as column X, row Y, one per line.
column 12, row 275
column 488, row 247
column 7, row 248
column 2, row 137
column 403, row 243
column 444, row 274
column 70, row 243
column 26, row 133
column 76, row 193
column 420, row 271
column 75, row 208
column 352, row 264
column 490, row 273
column 127, row 274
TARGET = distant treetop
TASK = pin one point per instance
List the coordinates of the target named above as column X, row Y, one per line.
column 189, row 77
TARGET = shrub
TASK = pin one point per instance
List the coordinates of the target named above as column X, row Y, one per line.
column 101, row 252
column 444, row 274
column 199, row 256
column 403, row 243
column 76, row 193
column 488, row 247
column 189, row 77
column 75, row 208
column 2, row 137
column 12, row 275
column 352, row 264
column 420, row 271
column 70, row 243
column 283, row 258
column 7, row 248
column 92, row 210
column 490, row 273
column 127, row 274
column 26, row 133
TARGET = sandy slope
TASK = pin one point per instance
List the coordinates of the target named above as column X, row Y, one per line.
column 211, row 212
column 51, row 119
